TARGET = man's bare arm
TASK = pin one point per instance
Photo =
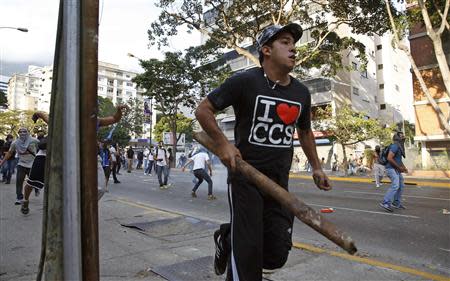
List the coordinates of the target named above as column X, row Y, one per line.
column 400, row 168
column 308, row 143
column 7, row 156
column 205, row 116
column 106, row 121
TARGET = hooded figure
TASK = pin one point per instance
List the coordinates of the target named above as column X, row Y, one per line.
column 24, row 140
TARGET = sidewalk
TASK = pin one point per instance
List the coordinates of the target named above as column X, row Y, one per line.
column 409, row 180
column 167, row 244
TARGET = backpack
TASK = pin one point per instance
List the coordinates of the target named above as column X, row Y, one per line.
column 383, row 155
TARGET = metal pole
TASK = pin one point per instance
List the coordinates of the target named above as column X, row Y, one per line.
column 88, row 131
column 71, row 159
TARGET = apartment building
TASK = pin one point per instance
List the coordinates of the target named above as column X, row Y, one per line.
column 31, row 91
column 435, row 142
column 4, row 83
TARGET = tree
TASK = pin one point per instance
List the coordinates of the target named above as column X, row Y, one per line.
column 184, row 126
column 440, row 20
column 178, row 80
column 133, row 119
column 12, row 120
column 3, row 99
column 349, row 127
column 229, row 24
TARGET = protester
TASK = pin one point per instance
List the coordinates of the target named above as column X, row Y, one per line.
column 114, row 156
column 7, row 168
column 146, row 153
column 162, row 160
column 151, row 161
column 130, row 158
column 105, row 156
column 25, row 147
column 394, row 170
column 269, row 104
column 377, row 168
column 201, row 160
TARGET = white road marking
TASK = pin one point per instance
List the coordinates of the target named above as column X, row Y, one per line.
column 447, row 250
column 365, row 211
column 412, row 196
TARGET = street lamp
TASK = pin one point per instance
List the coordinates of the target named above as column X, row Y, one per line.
column 151, row 101
column 17, row 28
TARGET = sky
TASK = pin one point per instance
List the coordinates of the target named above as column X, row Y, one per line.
column 123, row 29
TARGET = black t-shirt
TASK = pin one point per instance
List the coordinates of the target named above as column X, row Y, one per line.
column 265, row 117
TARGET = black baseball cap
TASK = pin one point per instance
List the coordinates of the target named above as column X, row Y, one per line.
column 273, row 30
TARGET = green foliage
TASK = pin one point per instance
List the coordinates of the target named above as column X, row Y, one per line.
column 349, row 127
column 227, row 24
column 3, row 99
column 12, row 120
column 178, row 80
column 414, row 16
column 184, row 126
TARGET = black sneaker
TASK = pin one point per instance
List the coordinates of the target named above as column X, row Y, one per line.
column 18, row 202
column 221, row 256
column 401, row 207
column 386, row 207
column 24, row 209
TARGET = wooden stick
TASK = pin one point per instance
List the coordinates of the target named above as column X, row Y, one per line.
column 302, row 211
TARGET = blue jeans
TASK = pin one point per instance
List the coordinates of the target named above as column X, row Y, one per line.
column 7, row 170
column 394, row 193
column 162, row 170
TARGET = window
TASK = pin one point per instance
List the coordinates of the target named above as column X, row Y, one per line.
column 381, row 86
column 100, row 88
column 119, row 74
column 379, row 47
column 129, row 84
column 397, row 88
column 119, row 92
column 110, row 82
column 110, row 90
column 129, row 93
column 355, row 91
column 380, row 66
column 382, row 106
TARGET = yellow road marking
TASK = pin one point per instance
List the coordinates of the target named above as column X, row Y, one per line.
column 367, row 180
column 372, row 262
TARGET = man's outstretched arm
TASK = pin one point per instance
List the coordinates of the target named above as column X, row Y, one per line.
column 109, row 120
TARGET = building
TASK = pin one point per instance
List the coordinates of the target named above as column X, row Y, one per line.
column 32, row 90
column 4, row 83
column 434, row 141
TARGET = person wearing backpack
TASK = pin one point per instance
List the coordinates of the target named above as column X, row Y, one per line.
column 394, row 169
column 378, row 167
column 162, row 160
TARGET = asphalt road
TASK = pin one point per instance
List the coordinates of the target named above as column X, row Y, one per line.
column 417, row 237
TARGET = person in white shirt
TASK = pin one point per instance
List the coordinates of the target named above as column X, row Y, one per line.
column 113, row 152
column 201, row 159
column 162, row 160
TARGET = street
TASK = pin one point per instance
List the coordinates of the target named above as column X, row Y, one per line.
column 417, row 237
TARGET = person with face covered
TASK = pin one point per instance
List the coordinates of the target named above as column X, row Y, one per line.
column 26, row 148
column 394, row 169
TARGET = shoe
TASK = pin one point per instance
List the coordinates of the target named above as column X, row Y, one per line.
column 400, row 207
column 24, row 209
column 161, row 187
column 145, row 174
column 193, row 194
column 386, row 207
column 128, row 171
column 100, row 193
column 18, row 202
column 378, row 185
column 221, row 256
column 117, row 182
column 212, row 197
column 36, row 192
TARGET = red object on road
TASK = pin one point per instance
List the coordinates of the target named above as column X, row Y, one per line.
column 327, row 210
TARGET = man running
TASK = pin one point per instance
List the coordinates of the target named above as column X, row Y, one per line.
column 200, row 160
column 269, row 104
